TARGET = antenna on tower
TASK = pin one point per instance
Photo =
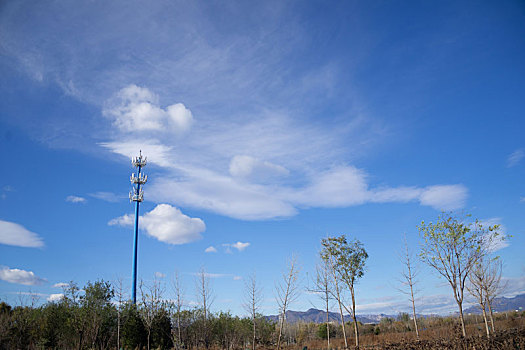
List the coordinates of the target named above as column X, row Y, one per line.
column 136, row 195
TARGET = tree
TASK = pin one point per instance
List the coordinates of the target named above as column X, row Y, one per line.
column 492, row 285
column 453, row 247
column 121, row 296
column 322, row 289
column 286, row 293
column 477, row 289
column 177, row 306
column 409, row 274
column 335, row 290
column 151, row 305
column 205, row 296
column 253, row 299
column 349, row 263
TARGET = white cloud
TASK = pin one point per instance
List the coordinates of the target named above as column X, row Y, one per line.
column 167, row 224
column 522, row 199
column 60, row 285
column 160, row 275
column 18, row 276
column 237, row 278
column 75, row 199
column 211, row 275
column 108, row 196
column 210, row 249
column 17, row 235
column 500, row 241
column 137, row 109
column 515, row 157
column 256, row 170
column 55, row 297
column 240, row 246
column 444, row 197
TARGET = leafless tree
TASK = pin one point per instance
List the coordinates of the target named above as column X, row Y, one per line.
column 178, row 304
column 287, row 292
column 205, row 296
column 121, row 296
column 493, row 285
column 476, row 288
column 322, row 288
column 408, row 280
column 253, row 299
column 151, row 304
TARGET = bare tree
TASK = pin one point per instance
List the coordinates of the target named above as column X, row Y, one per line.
column 253, row 299
column 476, row 288
column 322, row 288
column 205, row 296
column 336, row 291
column 151, row 304
column 492, row 285
column 453, row 248
column 177, row 306
column 121, row 296
column 286, row 292
column 409, row 275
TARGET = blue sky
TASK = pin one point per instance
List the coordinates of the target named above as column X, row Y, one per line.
column 267, row 126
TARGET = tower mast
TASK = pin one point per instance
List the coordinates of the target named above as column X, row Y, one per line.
column 136, row 195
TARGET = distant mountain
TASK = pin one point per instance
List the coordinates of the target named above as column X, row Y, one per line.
column 319, row 316
column 502, row 304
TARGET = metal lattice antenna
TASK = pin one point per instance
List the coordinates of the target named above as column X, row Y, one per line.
column 136, row 195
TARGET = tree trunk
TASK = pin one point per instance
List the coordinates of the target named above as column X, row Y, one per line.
column 462, row 320
column 343, row 324
column 356, row 331
column 485, row 319
column 253, row 342
column 327, row 325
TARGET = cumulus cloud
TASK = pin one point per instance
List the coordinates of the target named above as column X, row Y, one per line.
column 240, row 246
column 55, row 297
column 136, row 108
column 75, row 199
column 167, row 224
column 17, row 235
column 515, row 157
column 210, row 249
column 18, row 276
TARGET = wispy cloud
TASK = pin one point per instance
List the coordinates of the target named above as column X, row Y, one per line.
column 209, row 113
column 18, row 276
column 60, row 285
column 17, row 235
column 515, row 157
column 75, row 199
column 108, row 196
column 167, row 224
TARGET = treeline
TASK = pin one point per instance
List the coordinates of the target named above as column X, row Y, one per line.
column 93, row 319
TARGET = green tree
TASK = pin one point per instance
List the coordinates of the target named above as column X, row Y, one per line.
column 453, row 247
column 349, row 258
